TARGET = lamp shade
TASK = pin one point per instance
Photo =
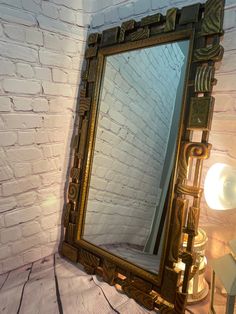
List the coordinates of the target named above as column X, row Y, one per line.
column 220, row 187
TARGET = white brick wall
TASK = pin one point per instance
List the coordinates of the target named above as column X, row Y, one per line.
column 132, row 136
column 37, row 119
column 40, row 42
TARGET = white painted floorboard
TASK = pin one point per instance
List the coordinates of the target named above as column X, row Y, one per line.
column 54, row 285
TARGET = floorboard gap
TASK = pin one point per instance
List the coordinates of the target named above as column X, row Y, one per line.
column 23, row 289
column 106, row 298
column 59, row 303
column 5, row 280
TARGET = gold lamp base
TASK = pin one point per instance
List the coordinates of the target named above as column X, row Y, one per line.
column 198, row 288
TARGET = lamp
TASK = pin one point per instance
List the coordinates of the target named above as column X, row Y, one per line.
column 220, row 194
column 220, row 187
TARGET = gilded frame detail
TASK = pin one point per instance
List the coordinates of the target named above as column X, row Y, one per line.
column 202, row 25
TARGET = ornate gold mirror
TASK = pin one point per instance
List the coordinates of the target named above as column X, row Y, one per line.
column 144, row 118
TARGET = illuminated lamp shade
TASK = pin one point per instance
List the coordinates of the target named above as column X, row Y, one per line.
column 220, row 187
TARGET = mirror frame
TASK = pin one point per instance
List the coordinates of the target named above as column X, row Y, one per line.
column 202, row 25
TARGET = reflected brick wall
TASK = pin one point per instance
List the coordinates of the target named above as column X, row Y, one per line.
column 132, row 136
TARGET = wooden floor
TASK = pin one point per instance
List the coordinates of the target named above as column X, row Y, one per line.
column 53, row 285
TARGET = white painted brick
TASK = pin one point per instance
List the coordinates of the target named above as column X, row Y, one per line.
column 31, row 5
column 26, row 138
column 51, row 205
column 70, row 46
column 30, row 228
column 47, row 151
column 2, row 224
column 19, row 52
column 41, row 137
column 111, row 15
column 59, row 75
column 141, row 6
column 158, row 4
column 57, row 136
column 14, row 3
column 49, row 249
column 10, row 234
column 6, row 67
column 21, row 86
column 5, row 104
column 76, row 63
column 3, row 158
column 54, row 59
column 57, row 89
column 7, row 203
column 24, row 154
column 21, row 185
column 50, row 10
column 55, row 234
column 16, row 16
column 26, row 198
column 22, row 104
column 22, row 215
column 19, row 121
column 27, row 243
column 40, row 105
column 24, row 70
column 34, row 37
column 52, row 41
column 98, row 20
column 61, row 27
column 7, row 138
column 82, row 19
column 14, row 32
column 32, row 255
column 50, row 221
column 126, row 11
column 5, row 173
column 74, row 77
column 22, row 169
column 43, row 166
column 67, row 15
column 73, row 4
column 43, row 74
column 12, row 263
column 4, row 252
column 58, row 149
column 50, row 179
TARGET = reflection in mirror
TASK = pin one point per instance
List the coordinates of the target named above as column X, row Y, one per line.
column 138, row 118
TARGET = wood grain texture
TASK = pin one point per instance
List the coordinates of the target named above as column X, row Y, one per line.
column 204, row 79
column 3, row 278
column 125, row 27
column 213, row 53
column 41, row 283
column 151, row 30
column 171, row 15
column 74, row 290
column 12, row 291
column 179, row 205
column 213, row 18
column 172, row 278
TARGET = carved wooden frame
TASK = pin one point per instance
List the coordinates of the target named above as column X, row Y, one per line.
column 202, row 25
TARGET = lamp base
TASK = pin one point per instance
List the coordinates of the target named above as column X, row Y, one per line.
column 198, row 287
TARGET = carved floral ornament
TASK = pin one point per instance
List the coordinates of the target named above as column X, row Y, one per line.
column 202, row 24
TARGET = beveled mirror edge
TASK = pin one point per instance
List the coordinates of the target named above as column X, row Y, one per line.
column 206, row 51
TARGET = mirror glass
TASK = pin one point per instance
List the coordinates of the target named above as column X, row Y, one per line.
column 138, row 120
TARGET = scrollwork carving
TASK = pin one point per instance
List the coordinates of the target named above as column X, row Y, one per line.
column 191, row 150
column 191, row 22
